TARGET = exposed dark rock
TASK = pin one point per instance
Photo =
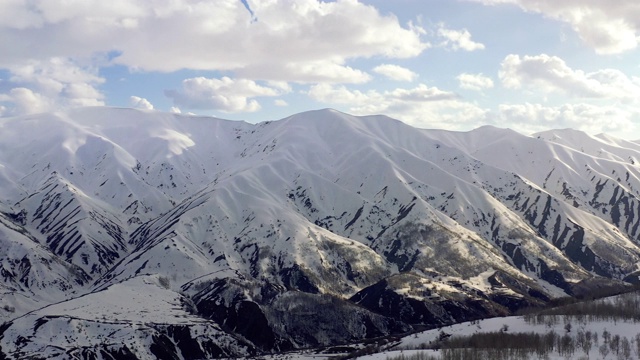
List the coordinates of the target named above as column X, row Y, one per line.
column 436, row 309
column 224, row 302
column 598, row 287
column 163, row 348
column 294, row 278
column 323, row 320
column 380, row 299
column 554, row 277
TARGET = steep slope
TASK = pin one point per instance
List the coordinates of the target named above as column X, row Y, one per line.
column 595, row 176
column 73, row 225
column 251, row 228
column 31, row 275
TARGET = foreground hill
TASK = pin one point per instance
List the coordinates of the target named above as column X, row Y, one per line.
column 240, row 232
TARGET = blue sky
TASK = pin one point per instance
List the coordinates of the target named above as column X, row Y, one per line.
column 529, row 65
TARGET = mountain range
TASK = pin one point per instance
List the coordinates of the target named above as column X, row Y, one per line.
column 134, row 234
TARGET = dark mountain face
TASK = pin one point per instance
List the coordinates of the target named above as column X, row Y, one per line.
column 197, row 237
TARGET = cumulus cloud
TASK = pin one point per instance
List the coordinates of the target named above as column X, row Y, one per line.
column 224, row 94
column 610, row 27
column 38, row 86
column 25, row 101
column 477, row 82
column 280, row 102
column 458, row 39
column 281, row 86
column 140, row 103
column 309, row 40
column 421, row 106
column 395, row 72
column 530, row 118
column 552, row 74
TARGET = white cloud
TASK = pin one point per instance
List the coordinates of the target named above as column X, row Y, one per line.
column 341, row 95
column 421, row 106
column 330, row 94
column 308, row 40
column 25, row 101
column 458, row 39
column 280, row 102
column 140, row 103
column 530, row 118
column 282, row 86
column 552, row 74
column 50, row 85
column 175, row 110
column 81, row 94
column 305, row 72
column 395, row 72
column 476, row 82
column 225, row 94
column 610, row 27
column 54, row 74
column 430, row 107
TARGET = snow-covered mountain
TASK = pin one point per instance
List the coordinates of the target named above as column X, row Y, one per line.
column 161, row 230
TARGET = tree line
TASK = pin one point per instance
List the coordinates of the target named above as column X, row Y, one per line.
column 501, row 345
column 625, row 307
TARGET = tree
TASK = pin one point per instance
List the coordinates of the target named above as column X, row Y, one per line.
column 567, row 326
column 566, row 346
column 584, row 342
column 588, row 342
column 614, row 344
column 604, row 350
column 625, row 348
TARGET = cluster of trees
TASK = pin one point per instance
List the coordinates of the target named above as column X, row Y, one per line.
column 415, row 356
column 576, row 344
column 625, row 307
column 501, row 345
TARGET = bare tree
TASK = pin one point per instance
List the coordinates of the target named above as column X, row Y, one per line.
column 604, row 350
column 585, row 342
column 606, row 336
column 614, row 344
column 580, row 339
column 625, row 349
column 567, row 326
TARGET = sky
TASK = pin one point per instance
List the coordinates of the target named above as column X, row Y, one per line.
column 528, row 65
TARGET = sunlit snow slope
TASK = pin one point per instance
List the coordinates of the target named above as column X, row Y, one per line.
column 237, row 233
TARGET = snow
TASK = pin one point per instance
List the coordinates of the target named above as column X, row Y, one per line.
column 128, row 301
column 120, row 197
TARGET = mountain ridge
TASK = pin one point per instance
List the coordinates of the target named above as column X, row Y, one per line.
column 252, row 226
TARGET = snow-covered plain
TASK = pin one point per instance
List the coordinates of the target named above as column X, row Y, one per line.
column 516, row 324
